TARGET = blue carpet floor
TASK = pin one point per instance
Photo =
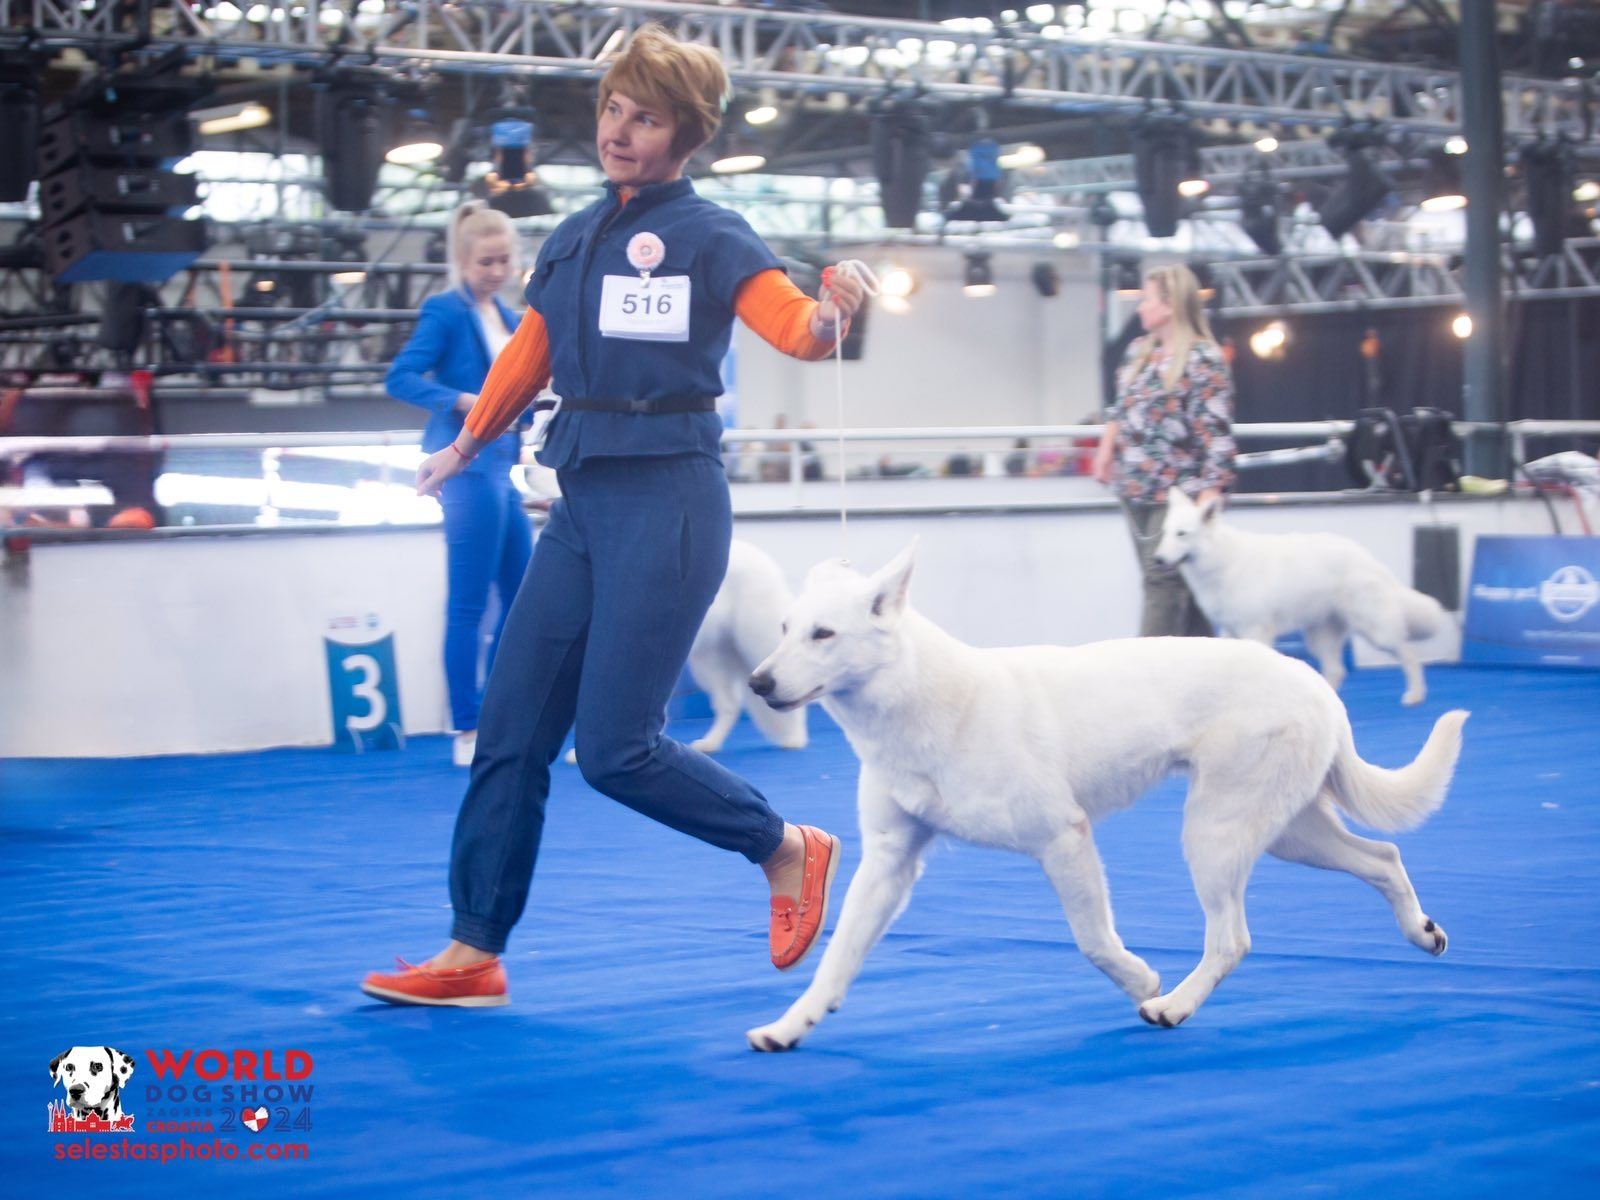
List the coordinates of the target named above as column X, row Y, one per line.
column 232, row 903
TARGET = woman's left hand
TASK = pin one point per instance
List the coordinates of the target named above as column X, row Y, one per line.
column 842, row 298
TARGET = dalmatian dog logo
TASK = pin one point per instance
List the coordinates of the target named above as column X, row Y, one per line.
column 93, row 1077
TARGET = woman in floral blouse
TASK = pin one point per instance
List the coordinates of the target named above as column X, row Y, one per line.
column 1170, row 427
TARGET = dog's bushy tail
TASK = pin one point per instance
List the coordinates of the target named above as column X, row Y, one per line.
column 1396, row 800
column 1424, row 615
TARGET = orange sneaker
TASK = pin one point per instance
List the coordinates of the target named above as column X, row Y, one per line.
column 797, row 924
column 481, row 985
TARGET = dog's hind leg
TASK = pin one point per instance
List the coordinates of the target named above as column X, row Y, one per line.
column 1388, row 634
column 890, row 863
column 1326, row 643
column 719, row 671
column 1073, row 865
column 1221, row 849
column 1318, row 838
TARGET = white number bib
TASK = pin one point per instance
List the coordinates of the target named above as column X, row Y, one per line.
column 657, row 311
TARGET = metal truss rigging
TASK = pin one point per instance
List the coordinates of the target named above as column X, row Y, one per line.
column 1261, row 287
column 813, row 52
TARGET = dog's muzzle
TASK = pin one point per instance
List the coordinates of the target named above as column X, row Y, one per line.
column 763, row 684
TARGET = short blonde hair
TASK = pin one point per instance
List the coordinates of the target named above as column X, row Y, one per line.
column 470, row 222
column 684, row 79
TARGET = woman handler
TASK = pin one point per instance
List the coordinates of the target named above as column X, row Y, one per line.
column 631, row 308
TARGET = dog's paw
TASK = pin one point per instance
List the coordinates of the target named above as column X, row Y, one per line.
column 1431, row 937
column 1412, row 698
column 1148, row 988
column 1163, row 1011
column 572, row 757
column 771, row 1039
column 705, row 745
column 792, row 743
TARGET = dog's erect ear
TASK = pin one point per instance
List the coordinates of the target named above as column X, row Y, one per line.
column 1178, row 498
column 121, row 1065
column 1209, row 508
column 892, row 583
column 56, row 1062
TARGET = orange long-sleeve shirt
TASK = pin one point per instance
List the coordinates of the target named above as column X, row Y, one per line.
column 768, row 302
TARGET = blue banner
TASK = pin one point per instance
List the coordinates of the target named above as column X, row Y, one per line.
column 365, row 694
column 1534, row 600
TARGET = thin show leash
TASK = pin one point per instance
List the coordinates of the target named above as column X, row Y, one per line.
column 863, row 275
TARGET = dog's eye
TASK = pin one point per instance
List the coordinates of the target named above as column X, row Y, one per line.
column 94, row 1068
column 819, row 634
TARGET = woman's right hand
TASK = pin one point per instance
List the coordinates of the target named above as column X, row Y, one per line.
column 1104, row 462
column 437, row 468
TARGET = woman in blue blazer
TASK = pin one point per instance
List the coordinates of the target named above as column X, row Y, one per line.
column 458, row 335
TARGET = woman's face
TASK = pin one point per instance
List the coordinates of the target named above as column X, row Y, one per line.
column 1155, row 314
column 635, row 143
column 487, row 264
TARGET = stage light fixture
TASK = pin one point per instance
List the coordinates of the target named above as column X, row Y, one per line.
column 354, row 135
column 1066, row 239
column 1461, row 326
column 1046, row 279
column 983, row 176
column 418, row 142
column 1365, row 185
column 1166, row 165
column 1441, row 183
column 738, row 164
column 900, row 159
column 512, row 186
column 1270, row 342
column 1547, row 178
column 1127, row 279
column 1025, row 155
column 231, row 118
column 19, row 124
column 1258, row 213
column 897, row 281
column 978, row 275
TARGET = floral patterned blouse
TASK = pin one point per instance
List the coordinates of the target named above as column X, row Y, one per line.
column 1182, row 435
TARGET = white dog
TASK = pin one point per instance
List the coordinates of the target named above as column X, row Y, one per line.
column 1024, row 749
column 94, row 1077
column 1260, row 585
column 740, row 629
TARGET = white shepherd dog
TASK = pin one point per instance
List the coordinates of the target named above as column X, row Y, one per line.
column 1260, row 585
column 740, row 629
column 1024, row 749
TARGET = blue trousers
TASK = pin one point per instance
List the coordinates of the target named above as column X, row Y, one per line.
column 622, row 576
column 487, row 544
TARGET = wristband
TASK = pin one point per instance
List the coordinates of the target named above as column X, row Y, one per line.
column 466, row 458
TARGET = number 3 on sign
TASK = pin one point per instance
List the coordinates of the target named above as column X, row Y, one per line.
column 655, row 310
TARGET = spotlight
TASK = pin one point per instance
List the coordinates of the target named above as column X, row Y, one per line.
column 765, row 110
column 1547, row 176
column 979, row 275
column 1166, row 163
column 1267, row 144
column 1441, row 183
column 1025, row 155
column 1066, row 239
column 984, row 175
column 231, row 118
column 1270, row 341
column 418, row 143
column 1365, row 185
column 1461, row 326
column 1046, row 279
column 1455, row 144
column 1586, row 192
column 512, row 186
column 897, row 281
column 900, row 159
column 738, row 164
column 1258, row 205
column 355, row 122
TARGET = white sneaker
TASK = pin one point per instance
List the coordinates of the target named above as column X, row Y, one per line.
column 466, row 744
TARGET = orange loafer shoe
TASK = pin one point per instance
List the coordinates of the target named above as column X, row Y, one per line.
column 481, row 985
column 796, row 924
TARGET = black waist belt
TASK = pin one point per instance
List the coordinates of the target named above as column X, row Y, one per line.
column 670, row 404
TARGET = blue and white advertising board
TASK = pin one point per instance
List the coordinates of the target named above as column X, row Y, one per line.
column 363, row 686
column 1534, row 601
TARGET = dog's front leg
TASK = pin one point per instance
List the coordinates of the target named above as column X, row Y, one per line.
column 890, row 864
column 1073, row 865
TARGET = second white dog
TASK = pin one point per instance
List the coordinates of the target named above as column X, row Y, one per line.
column 1024, row 749
column 1261, row 585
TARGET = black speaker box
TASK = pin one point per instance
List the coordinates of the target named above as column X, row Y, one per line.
column 115, row 189
column 128, row 247
column 132, row 139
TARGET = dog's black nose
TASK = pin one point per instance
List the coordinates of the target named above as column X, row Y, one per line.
column 76, row 1090
column 762, row 684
